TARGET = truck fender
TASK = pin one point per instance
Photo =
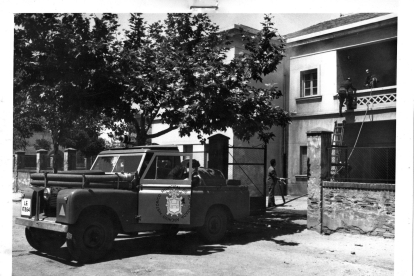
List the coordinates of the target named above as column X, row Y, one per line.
column 120, row 205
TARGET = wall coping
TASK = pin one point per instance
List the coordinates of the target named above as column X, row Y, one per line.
column 359, row 186
column 318, row 130
column 301, row 177
column 26, row 170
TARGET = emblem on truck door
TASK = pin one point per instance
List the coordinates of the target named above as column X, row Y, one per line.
column 174, row 203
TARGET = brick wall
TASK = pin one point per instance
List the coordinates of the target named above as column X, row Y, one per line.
column 359, row 208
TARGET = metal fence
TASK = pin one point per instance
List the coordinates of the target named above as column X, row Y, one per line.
column 29, row 162
column 365, row 164
column 248, row 165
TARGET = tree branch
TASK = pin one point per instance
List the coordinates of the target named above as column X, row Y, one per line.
column 162, row 132
column 152, row 117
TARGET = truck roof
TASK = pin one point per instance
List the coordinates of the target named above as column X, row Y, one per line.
column 140, row 149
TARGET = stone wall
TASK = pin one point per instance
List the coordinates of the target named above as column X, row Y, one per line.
column 359, row 208
column 21, row 179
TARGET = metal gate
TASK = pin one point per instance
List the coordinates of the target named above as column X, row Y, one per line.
column 248, row 164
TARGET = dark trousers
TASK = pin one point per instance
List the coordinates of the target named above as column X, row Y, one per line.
column 271, row 201
column 342, row 97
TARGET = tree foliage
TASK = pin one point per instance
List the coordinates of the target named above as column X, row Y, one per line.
column 177, row 72
column 62, row 64
column 86, row 141
column 73, row 75
column 42, row 144
column 24, row 123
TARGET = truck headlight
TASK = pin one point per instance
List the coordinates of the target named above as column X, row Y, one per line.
column 46, row 193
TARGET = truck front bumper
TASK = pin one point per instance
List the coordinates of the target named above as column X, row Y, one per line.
column 43, row 224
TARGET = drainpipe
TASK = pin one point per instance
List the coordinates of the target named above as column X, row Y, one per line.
column 284, row 139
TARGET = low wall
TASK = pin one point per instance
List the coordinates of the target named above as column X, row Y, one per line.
column 21, row 179
column 358, row 208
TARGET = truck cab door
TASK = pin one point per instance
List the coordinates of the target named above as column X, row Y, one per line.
column 165, row 189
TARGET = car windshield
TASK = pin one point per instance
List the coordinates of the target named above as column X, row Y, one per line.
column 117, row 163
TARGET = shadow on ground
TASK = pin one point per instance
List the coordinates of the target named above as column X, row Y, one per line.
column 276, row 222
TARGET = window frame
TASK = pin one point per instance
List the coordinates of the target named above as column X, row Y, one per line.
column 312, row 87
column 303, row 166
column 118, row 155
column 167, row 182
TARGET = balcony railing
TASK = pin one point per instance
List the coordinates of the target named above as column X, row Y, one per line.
column 377, row 96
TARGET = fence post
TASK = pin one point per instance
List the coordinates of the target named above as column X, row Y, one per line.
column 19, row 160
column 264, row 175
column 87, row 162
column 319, row 140
column 18, row 165
column 69, row 160
column 219, row 153
column 41, row 160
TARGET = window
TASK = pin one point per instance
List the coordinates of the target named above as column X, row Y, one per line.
column 117, row 163
column 166, row 167
column 303, row 160
column 309, row 83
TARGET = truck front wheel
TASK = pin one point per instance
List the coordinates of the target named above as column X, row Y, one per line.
column 44, row 240
column 90, row 238
column 215, row 225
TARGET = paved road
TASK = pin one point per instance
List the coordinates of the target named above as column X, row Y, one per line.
column 275, row 244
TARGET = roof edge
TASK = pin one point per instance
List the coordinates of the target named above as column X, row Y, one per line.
column 240, row 26
column 342, row 28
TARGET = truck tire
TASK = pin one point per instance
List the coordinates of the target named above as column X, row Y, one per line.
column 44, row 240
column 90, row 238
column 215, row 225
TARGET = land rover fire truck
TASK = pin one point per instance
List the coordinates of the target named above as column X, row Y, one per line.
column 128, row 190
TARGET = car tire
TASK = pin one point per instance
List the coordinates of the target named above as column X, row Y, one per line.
column 44, row 240
column 215, row 225
column 90, row 238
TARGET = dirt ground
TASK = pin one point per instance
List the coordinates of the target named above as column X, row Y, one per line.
column 276, row 243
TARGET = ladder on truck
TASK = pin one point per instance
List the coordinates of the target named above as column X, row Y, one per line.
column 338, row 162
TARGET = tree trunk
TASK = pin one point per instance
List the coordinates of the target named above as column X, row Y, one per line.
column 141, row 139
column 55, row 157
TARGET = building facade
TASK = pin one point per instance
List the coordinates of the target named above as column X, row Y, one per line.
column 319, row 59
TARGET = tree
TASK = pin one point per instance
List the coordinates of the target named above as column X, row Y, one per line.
column 85, row 140
column 176, row 72
column 24, row 123
column 62, row 65
column 42, row 144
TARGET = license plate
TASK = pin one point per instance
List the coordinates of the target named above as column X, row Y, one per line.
column 26, row 203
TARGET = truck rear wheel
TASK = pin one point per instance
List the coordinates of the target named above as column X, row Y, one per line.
column 215, row 225
column 91, row 237
column 44, row 240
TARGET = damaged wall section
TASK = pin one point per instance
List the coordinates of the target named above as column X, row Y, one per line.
column 359, row 208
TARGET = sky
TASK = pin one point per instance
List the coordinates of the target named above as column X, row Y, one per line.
column 285, row 23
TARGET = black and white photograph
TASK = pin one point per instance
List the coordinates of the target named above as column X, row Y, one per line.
column 207, row 137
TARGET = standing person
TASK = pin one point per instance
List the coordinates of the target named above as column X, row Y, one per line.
column 271, row 182
column 345, row 89
column 371, row 80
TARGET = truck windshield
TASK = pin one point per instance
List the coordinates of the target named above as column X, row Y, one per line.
column 117, row 163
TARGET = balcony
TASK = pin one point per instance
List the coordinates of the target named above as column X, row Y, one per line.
column 382, row 96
